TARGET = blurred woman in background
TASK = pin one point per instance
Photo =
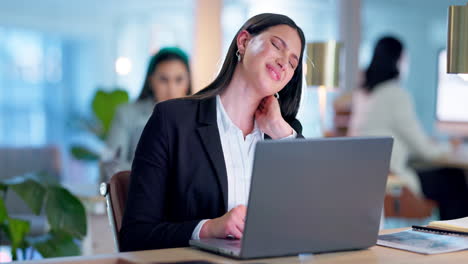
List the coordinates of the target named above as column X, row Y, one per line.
column 167, row 77
column 383, row 108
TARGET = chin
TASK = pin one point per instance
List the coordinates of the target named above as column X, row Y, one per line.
column 266, row 89
column 267, row 86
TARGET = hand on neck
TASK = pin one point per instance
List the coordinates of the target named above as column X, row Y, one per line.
column 240, row 101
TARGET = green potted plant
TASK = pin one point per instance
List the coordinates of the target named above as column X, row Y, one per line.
column 65, row 215
column 104, row 105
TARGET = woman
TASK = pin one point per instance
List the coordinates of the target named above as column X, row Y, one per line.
column 167, row 77
column 191, row 172
column 383, row 108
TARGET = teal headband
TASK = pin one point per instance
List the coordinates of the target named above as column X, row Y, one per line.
column 167, row 53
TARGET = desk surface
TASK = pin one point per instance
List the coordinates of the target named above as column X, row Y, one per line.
column 375, row 254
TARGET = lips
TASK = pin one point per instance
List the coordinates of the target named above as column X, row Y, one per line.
column 274, row 73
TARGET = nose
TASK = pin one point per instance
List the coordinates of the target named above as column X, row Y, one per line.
column 281, row 63
column 173, row 87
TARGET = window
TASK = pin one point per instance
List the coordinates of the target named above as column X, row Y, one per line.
column 30, row 70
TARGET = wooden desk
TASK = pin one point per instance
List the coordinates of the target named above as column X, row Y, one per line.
column 375, row 254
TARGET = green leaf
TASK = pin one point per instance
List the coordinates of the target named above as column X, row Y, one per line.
column 3, row 211
column 16, row 229
column 82, row 153
column 105, row 104
column 55, row 244
column 65, row 212
column 3, row 187
column 45, row 178
column 31, row 191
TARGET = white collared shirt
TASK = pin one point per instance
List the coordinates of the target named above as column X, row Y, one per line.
column 238, row 157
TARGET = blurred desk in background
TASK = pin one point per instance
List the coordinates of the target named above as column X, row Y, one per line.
column 457, row 159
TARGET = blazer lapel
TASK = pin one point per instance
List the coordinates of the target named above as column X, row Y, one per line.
column 209, row 135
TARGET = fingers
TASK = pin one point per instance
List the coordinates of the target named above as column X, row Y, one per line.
column 261, row 106
column 230, row 224
column 236, row 221
column 234, row 226
column 235, row 231
column 265, row 103
column 237, row 227
column 241, row 210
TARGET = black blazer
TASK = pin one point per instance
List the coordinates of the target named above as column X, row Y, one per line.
column 178, row 176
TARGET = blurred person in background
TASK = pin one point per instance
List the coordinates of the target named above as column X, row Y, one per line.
column 167, row 77
column 381, row 107
column 191, row 173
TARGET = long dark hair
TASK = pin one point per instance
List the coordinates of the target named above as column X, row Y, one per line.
column 383, row 65
column 290, row 95
column 163, row 55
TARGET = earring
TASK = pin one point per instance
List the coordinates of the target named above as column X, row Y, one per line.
column 238, row 56
column 277, row 95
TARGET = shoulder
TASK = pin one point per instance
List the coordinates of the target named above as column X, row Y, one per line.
column 124, row 108
column 124, row 112
column 144, row 105
column 134, row 108
column 134, row 113
column 391, row 91
column 177, row 106
column 179, row 111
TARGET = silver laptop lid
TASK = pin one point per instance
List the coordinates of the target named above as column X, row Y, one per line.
column 315, row 195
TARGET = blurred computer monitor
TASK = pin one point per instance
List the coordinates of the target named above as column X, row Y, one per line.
column 452, row 100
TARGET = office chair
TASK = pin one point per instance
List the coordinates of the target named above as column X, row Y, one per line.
column 116, row 191
column 401, row 202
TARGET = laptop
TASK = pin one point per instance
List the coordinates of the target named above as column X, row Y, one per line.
column 311, row 196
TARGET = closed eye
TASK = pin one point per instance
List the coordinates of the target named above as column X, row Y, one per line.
column 179, row 79
column 274, row 44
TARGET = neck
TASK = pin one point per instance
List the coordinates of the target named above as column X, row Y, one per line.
column 240, row 102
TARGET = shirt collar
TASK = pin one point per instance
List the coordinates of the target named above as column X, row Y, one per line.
column 222, row 115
